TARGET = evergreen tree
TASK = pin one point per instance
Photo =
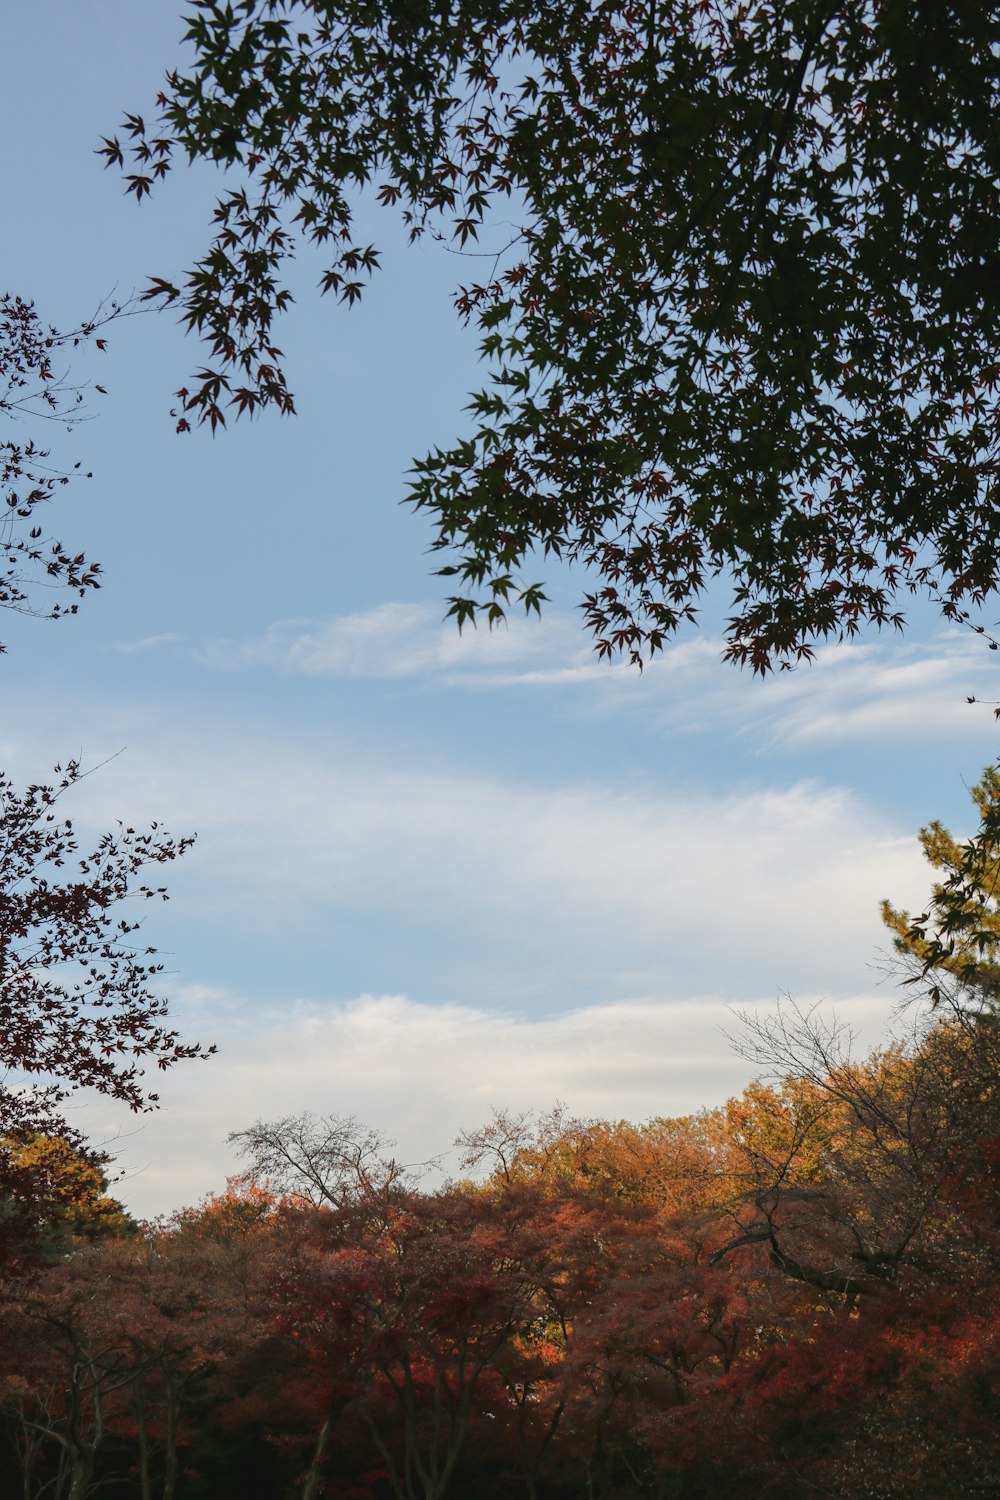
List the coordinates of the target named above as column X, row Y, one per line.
column 957, row 937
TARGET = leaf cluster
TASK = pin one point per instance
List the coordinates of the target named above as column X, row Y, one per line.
column 746, row 321
column 953, row 946
column 78, row 1008
column 35, row 386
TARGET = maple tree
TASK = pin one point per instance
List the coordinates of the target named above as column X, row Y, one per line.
column 37, row 387
column 130, row 1333
column 630, row 1315
column 76, row 1004
column 65, row 1391
column 580, row 1322
column 405, row 1325
column 183, row 1301
column 864, row 1405
column 739, row 309
column 115, row 1354
column 662, row 1162
column 78, row 1007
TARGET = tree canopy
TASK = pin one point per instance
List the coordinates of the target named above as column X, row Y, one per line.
column 800, row 1283
column 78, row 1001
column 737, row 283
column 793, row 1292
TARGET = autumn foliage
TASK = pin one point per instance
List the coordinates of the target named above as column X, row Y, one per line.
column 795, row 1289
column 790, row 1294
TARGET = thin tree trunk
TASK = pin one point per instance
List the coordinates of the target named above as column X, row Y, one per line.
column 386, row 1457
column 170, row 1473
column 142, row 1434
column 28, row 1443
column 62, row 1472
column 84, row 1451
column 83, row 1473
column 311, row 1487
column 532, row 1466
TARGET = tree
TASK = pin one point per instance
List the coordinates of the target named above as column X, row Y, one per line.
column 127, row 1353
column 34, row 387
column 53, row 1189
column 953, row 948
column 629, row 1315
column 331, row 1159
column 77, row 1001
column 403, row 1323
column 745, row 324
column 566, row 1327
column 858, row 1177
column 665, row 1162
column 72, row 1369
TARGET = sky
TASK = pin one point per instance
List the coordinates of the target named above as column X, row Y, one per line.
column 434, row 874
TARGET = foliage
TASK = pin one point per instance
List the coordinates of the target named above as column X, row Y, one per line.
column 790, row 1294
column 34, row 386
column 746, row 319
column 596, row 1317
column 852, row 1171
column 77, row 1003
column 127, row 1334
column 77, row 1008
column 958, row 937
column 53, row 1189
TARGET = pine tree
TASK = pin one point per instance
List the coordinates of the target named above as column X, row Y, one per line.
column 958, row 935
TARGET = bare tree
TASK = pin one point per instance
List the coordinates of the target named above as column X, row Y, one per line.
column 331, row 1159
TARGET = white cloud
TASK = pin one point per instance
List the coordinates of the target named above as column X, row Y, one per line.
column 882, row 689
column 877, row 690
column 146, row 643
column 544, row 905
column 398, row 640
column 424, row 1072
column 851, row 691
column 551, row 895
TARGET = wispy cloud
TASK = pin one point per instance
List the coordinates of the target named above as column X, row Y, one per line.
column 850, row 692
column 549, row 894
column 146, row 643
column 882, row 689
column 400, row 640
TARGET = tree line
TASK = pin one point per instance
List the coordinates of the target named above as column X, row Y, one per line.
column 794, row 1291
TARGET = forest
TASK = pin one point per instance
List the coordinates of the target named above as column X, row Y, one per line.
column 740, row 334
column 794, row 1292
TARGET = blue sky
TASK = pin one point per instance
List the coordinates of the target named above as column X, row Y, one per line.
column 433, row 874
